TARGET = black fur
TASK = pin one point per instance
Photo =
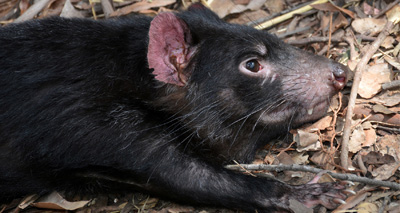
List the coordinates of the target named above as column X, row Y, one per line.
column 78, row 102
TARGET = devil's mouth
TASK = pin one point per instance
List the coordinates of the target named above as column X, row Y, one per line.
column 294, row 114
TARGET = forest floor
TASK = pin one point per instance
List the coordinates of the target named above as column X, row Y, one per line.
column 356, row 33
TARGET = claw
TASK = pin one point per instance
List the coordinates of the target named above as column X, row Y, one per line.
column 339, row 201
column 349, row 191
column 347, row 183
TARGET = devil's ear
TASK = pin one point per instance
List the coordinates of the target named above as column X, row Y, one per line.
column 169, row 49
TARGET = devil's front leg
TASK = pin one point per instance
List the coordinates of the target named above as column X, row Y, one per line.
column 163, row 167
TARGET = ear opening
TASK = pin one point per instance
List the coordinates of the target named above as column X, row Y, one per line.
column 170, row 49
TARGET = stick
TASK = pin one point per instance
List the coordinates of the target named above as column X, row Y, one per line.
column 294, row 167
column 287, row 15
column 361, row 66
column 32, row 11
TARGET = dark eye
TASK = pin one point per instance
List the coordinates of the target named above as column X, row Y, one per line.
column 253, row 66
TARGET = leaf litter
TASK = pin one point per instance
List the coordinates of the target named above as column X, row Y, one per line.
column 342, row 30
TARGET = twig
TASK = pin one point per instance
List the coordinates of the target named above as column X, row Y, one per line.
column 384, row 204
column 32, row 11
column 287, row 15
column 107, row 7
column 390, row 6
column 330, row 35
column 354, row 89
column 294, row 167
column 248, row 172
column 388, row 129
column 313, row 40
column 361, row 165
column 391, row 85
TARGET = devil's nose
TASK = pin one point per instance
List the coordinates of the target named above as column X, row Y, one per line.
column 339, row 75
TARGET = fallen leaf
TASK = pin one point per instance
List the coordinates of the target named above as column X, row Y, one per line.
column 388, row 42
column 385, row 171
column 312, row 147
column 390, row 144
column 322, row 159
column 304, row 139
column 368, row 10
column 284, row 158
column 275, row 6
column 394, row 14
column 370, row 137
column 69, row 11
column 353, row 200
column 366, row 208
column 378, row 108
column 368, row 26
column 357, row 138
column 56, row 201
column 376, row 158
column 372, row 79
column 300, row 158
column 143, row 5
column 387, row 98
column 298, row 207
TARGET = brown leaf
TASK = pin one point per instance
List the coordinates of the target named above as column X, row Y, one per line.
column 378, row 108
column 372, row 79
column 352, row 201
column 369, row 26
column 388, row 98
column 357, row 138
column 56, row 201
column 376, row 158
column 143, row 5
column 304, row 139
column 332, row 8
column 385, row 171
column 370, row 137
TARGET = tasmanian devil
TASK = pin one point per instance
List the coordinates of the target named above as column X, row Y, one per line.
column 162, row 103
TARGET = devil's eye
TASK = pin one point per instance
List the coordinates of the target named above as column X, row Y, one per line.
column 253, row 65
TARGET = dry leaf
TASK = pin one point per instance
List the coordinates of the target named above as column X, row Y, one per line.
column 249, row 16
column 298, row 207
column 394, row 14
column 275, row 6
column 357, row 138
column 69, row 11
column 372, row 79
column 376, row 158
column 388, row 42
column 368, row 10
column 370, row 137
column 388, row 98
column 352, row 201
column 284, row 158
column 378, row 108
column 367, row 208
column 385, row 171
column 300, row 158
column 143, row 5
column 56, row 201
column 390, row 144
column 368, row 26
column 304, row 139
column 312, row 147
column 392, row 61
column 322, row 159
column 223, row 7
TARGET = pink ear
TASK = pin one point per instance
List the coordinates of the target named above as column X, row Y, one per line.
column 169, row 49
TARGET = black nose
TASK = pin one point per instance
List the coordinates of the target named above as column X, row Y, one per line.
column 339, row 75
